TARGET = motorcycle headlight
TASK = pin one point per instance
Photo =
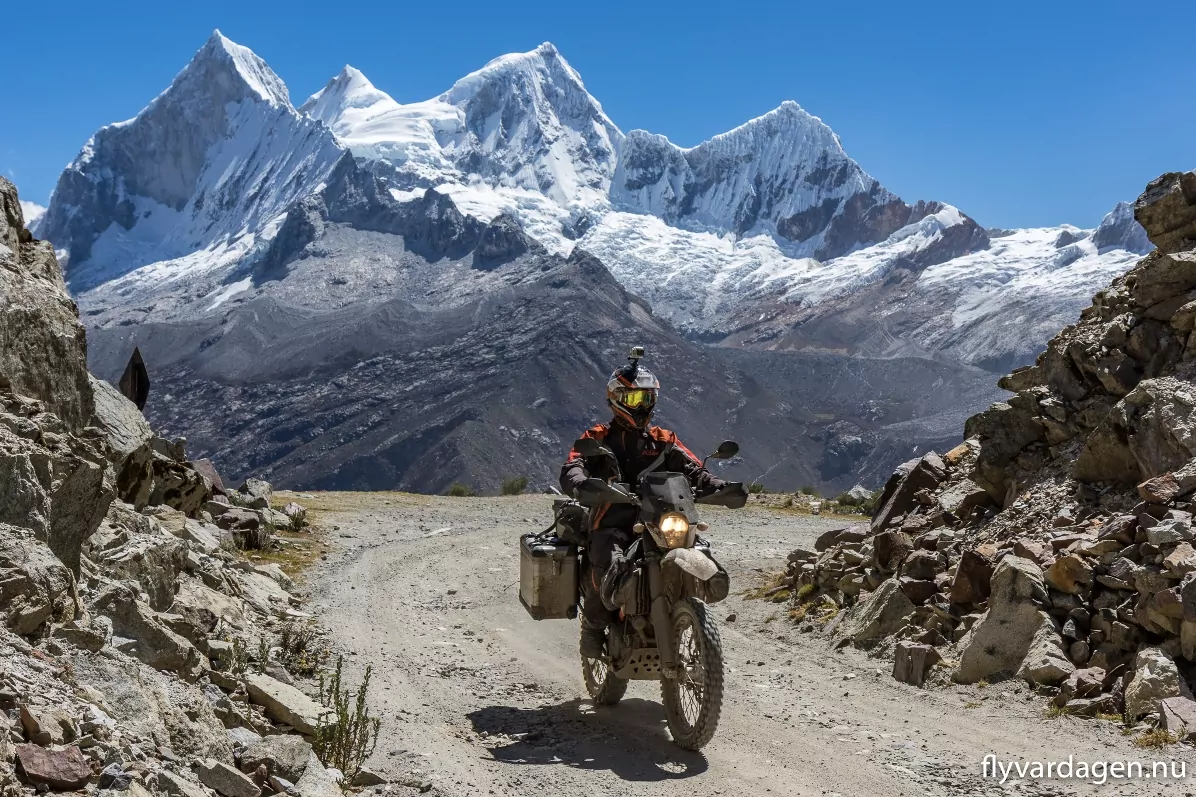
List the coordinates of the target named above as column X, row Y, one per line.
column 675, row 530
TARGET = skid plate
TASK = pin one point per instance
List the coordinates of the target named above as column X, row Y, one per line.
column 642, row 665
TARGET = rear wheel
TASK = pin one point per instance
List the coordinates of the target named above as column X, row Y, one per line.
column 604, row 687
column 693, row 701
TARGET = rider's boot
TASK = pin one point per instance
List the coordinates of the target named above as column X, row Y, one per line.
column 593, row 639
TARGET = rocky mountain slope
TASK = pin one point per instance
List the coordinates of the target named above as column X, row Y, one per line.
column 1055, row 544
column 126, row 609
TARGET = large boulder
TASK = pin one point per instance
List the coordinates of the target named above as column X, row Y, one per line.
column 178, row 485
column 897, row 498
column 1013, row 626
column 284, row 756
column 156, row 645
column 1155, row 679
column 35, row 587
column 154, row 705
column 883, row 613
column 54, row 483
column 133, row 547
column 1167, row 211
column 253, row 494
column 129, row 437
column 284, row 703
column 58, row 770
column 43, row 349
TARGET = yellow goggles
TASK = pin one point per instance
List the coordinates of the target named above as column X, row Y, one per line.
column 637, row 398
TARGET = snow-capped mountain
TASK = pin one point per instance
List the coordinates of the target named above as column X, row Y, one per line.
column 201, row 175
column 766, row 236
column 784, row 173
column 521, row 121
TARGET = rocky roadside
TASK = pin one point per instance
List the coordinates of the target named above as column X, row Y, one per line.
column 151, row 642
column 1055, row 545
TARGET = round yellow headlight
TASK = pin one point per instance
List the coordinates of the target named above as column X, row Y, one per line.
column 675, row 530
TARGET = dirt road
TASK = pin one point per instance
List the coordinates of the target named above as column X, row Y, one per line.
column 477, row 698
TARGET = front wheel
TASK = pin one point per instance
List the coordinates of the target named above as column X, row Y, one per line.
column 693, row 702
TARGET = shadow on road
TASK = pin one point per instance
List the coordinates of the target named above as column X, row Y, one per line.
column 628, row 740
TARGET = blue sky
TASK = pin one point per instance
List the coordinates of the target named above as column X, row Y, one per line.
column 1020, row 113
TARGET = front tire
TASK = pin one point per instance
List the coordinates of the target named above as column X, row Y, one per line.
column 692, row 703
column 604, row 687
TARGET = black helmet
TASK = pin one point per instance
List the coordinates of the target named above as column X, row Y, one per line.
column 631, row 391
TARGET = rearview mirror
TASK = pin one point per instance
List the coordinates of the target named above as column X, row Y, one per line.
column 726, row 450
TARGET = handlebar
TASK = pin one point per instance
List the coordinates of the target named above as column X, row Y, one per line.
column 732, row 495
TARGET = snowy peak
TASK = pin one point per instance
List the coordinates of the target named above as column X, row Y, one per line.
column 523, row 121
column 207, row 165
column 237, row 63
column 349, row 90
column 783, row 173
column 1120, row 230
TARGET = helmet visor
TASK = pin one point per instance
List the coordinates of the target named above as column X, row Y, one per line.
column 637, row 397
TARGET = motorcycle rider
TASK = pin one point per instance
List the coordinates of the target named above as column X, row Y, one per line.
column 631, row 392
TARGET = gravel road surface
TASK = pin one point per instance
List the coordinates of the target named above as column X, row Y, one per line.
column 477, row 698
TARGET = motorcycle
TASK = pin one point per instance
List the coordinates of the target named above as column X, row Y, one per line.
column 667, row 578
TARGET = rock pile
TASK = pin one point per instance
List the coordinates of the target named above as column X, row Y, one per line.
column 1057, row 543
column 133, row 632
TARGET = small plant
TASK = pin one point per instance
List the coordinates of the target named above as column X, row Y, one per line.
column 1054, row 712
column 1156, row 738
column 514, row 486
column 263, row 654
column 238, row 660
column 459, row 490
column 805, row 591
column 810, row 490
column 346, row 734
column 299, row 649
column 756, row 488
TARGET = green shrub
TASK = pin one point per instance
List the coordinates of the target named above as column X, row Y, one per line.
column 300, row 650
column 459, row 490
column 756, row 488
column 809, row 490
column 346, row 734
column 238, row 661
column 514, row 486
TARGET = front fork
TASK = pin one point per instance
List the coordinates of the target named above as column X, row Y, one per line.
column 662, row 618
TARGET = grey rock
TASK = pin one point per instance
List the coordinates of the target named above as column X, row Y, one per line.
column 1178, row 716
column 226, row 780
column 1167, row 212
column 924, row 473
column 1155, row 679
column 128, row 435
column 178, row 786
column 284, row 755
column 157, row 645
column 284, row 703
column 43, row 351
column 318, row 781
column 881, row 614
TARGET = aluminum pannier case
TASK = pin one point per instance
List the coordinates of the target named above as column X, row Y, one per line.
column 547, row 577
